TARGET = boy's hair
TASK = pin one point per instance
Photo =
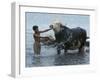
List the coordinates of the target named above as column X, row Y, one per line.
column 35, row 27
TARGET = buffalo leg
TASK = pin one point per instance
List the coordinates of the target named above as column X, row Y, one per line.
column 65, row 49
column 58, row 50
column 81, row 49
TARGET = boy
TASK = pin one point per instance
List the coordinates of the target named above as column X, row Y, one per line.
column 37, row 39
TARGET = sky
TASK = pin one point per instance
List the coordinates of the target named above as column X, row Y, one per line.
column 43, row 20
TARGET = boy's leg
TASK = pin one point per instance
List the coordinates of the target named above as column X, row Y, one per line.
column 34, row 48
column 37, row 48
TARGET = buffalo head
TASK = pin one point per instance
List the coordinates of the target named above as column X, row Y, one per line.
column 56, row 26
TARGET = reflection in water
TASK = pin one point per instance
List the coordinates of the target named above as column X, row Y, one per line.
column 49, row 57
column 36, row 61
column 72, row 59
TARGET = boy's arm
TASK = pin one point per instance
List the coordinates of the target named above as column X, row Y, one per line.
column 38, row 36
column 44, row 30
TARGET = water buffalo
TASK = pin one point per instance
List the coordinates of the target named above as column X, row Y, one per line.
column 67, row 38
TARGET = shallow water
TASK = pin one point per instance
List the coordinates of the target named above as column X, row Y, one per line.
column 49, row 57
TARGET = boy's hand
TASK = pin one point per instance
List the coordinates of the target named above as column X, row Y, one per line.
column 47, row 38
